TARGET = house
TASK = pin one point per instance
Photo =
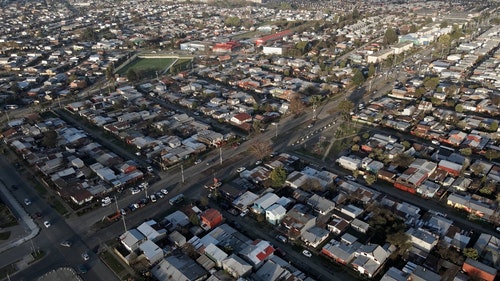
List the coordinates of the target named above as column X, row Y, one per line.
column 360, row 226
column 211, row 218
column 267, row 200
column 470, row 205
column 340, row 252
column 151, row 252
column 394, row 274
column 297, row 221
column 275, row 214
column 152, row 230
column 315, row 236
column 369, row 259
column 420, row 273
column 236, row 266
column 450, row 167
column 241, row 118
column 320, row 204
column 349, row 163
column 338, row 225
column 422, row 239
column 215, row 254
column 132, row 239
column 257, row 252
column 479, row 269
column 179, row 268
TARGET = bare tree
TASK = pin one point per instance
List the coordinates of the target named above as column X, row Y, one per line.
column 261, row 149
column 296, row 105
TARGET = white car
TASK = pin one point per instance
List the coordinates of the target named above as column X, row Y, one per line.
column 27, row 202
column 85, row 256
column 307, row 253
column 244, row 213
column 47, row 224
column 66, row 243
column 240, row 169
column 135, row 190
column 164, row 191
column 150, row 169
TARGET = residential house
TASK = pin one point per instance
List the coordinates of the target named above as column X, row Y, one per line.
column 215, row 254
column 369, row 259
column 267, row 200
column 479, row 269
column 275, row 214
column 320, row 204
column 394, row 274
column 211, row 218
column 257, row 252
column 360, row 226
column 420, row 273
column 472, row 206
column 315, row 236
column 132, row 239
column 422, row 239
column 151, row 252
column 297, row 221
column 236, row 266
column 340, row 252
column 152, row 230
column 179, row 268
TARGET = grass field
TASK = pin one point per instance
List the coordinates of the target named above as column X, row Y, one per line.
column 147, row 65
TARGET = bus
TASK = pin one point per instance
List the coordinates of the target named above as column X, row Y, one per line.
column 176, row 199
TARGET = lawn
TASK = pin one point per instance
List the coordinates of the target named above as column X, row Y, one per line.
column 8, row 269
column 6, row 217
column 4, row 235
column 112, row 262
column 150, row 65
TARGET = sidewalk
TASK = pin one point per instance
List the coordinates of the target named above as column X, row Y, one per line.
column 25, row 221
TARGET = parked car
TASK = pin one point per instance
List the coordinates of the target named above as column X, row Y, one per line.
column 152, row 198
column 82, row 269
column 244, row 213
column 47, row 224
column 240, row 169
column 281, row 238
column 66, row 243
column 38, row 215
column 164, row 191
column 135, row 190
column 159, row 195
column 85, row 256
column 150, row 169
column 27, row 202
column 198, row 161
column 307, row 253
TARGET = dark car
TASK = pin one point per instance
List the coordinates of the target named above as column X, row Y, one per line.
column 82, row 269
column 38, row 215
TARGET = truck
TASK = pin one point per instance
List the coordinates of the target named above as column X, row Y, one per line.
column 113, row 217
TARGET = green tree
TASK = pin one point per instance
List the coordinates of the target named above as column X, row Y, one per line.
column 390, row 36
column 132, row 75
column 443, row 24
column 491, row 154
column 370, row 179
column 232, row 21
column 401, row 240
column 467, row 151
column 302, row 46
column 494, row 126
column 358, row 78
column 278, row 177
column 49, row 139
column 371, row 70
column 110, row 71
column 431, row 83
column 355, row 147
column 459, row 108
column 402, row 160
column 470, row 253
column 345, row 107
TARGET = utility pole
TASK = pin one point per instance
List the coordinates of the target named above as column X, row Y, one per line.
column 220, row 154
column 182, row 173
column 124, row 224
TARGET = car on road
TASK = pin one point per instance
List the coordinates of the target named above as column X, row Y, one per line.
column 310, row 125
column 82, row 269
column 232, row 211
column 150, row 169
column 38, row 215
column 307, row 253
column 152, row 198
column 258, row 163
column 244, row 213
column 198, row 161
column 27, row 202
column 240, row 169
column 85, row 256
column 164, row 191
column 351, row 178
column 135, row 190
column 123, row 212
column 66, row 243
column 160, row 195
column 47, row 224
column 281, row 238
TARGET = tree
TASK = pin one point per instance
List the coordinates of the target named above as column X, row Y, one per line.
column 302, row 46
column 390, row 36
column 371, row 70
column 358, row 78
column 49, row 139
column 443, row 24
column 467, row 151
column 476, row 168
column 370, row 179
column 345, row 107
column 109, row 71
column 232, row 21
column 488, row 189
column 470, row 253
column 312, row 184
column 401, row 240
column 459, row 108
column 493, row 126
column 492, row 154
column 296, row 105
column 402, row 160
column 132, row 76
column 277, row 177
column 261, row 149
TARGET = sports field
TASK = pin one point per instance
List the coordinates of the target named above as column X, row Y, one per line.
column 147, row 65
